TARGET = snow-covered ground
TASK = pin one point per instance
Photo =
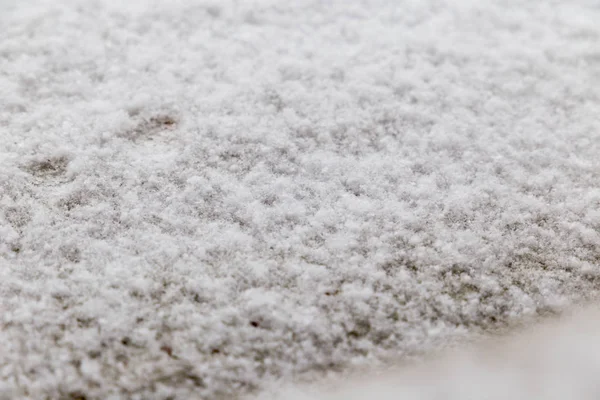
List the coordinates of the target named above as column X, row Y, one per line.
column 554, row 361
column 198, row 198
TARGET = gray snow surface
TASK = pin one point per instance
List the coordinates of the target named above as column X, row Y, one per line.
column 199, row 197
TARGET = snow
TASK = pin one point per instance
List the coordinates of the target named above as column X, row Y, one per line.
column 557, row 360
column 198, row 198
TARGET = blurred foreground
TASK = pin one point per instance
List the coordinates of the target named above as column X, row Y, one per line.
column 558, row 359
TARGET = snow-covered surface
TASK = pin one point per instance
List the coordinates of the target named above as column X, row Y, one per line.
column 554, row 361
column 197, row 198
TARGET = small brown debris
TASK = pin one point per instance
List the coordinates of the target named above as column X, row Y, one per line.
column 167, row 349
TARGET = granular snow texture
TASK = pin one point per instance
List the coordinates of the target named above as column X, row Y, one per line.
column 555, row 361
column 200, row 197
